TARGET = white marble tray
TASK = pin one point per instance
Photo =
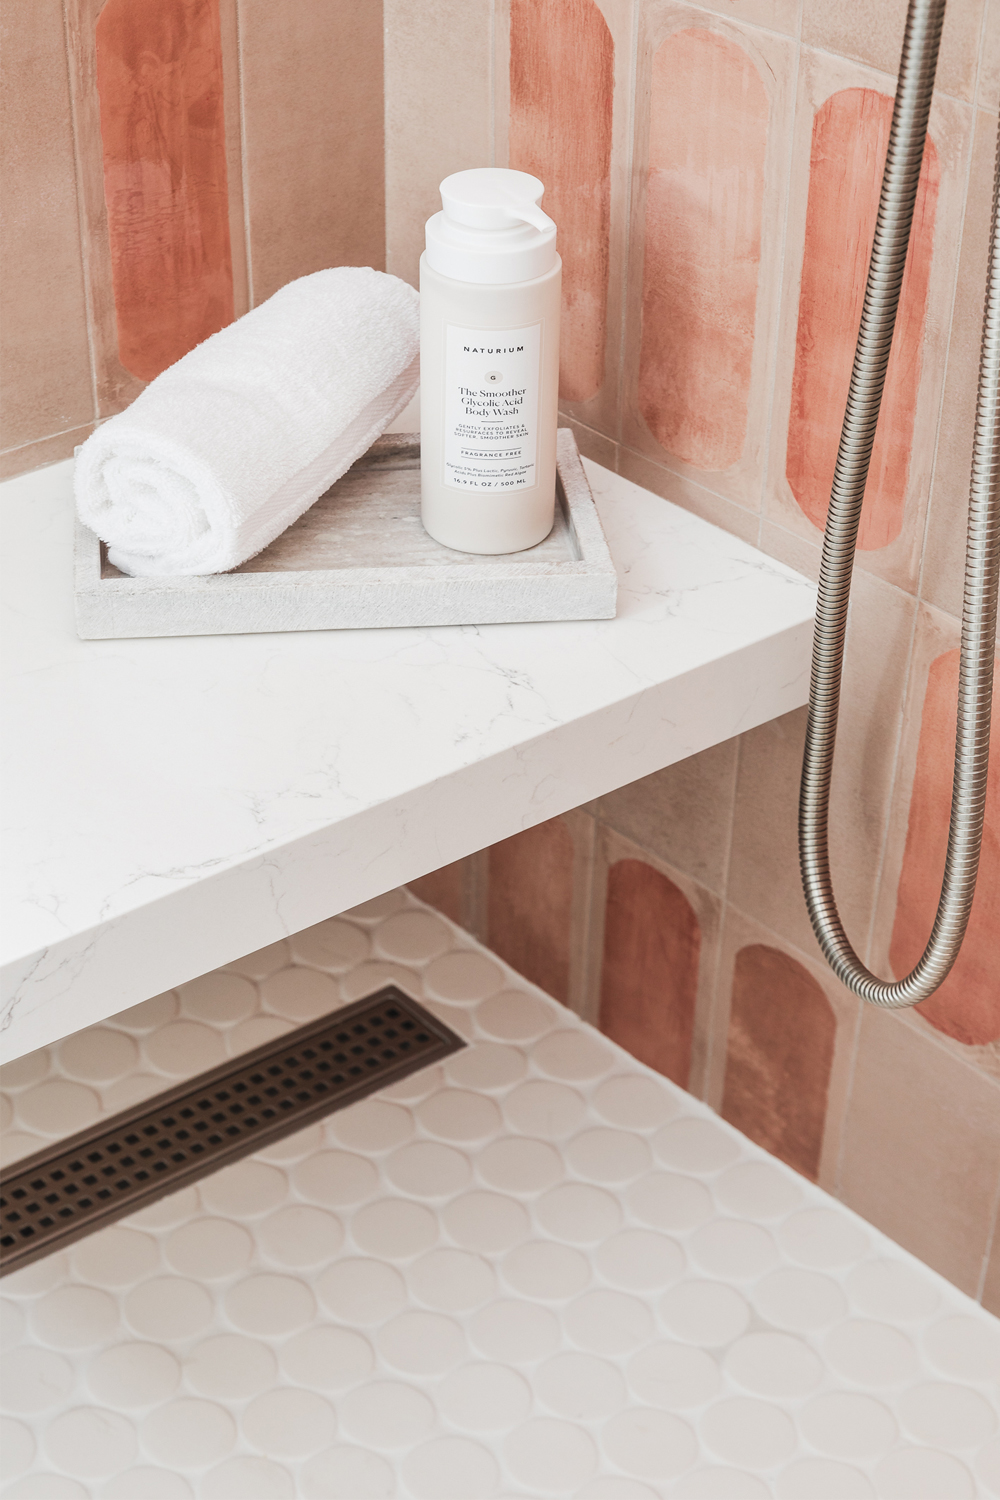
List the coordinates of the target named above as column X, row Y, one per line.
column 359, row 558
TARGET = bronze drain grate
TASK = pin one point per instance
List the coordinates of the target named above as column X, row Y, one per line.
column 88, row 1180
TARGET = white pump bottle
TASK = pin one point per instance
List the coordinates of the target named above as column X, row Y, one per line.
column 490, row 285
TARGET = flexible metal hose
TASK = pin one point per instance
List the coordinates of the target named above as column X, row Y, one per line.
column 982, row 565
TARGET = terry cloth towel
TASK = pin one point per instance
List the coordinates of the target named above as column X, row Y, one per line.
column 230, row 445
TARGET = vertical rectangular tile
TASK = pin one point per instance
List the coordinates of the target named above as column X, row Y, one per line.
column 821, row 76
column 438, row 113
column 922, row 1150
column 530, row 905
column 726, row 187
column 160, row 86
column 47, row 384
column 313, row 138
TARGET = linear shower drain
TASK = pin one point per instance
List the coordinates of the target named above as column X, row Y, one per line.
column 85, row 1181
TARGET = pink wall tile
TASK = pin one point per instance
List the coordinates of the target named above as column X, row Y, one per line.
column 967, row 1006
column 850, row 134
column 46, row 380
column 562, row 65
column 704, row 194
column 530, row 904
column 649, row 975
column 159, row 80
column 782, row 1032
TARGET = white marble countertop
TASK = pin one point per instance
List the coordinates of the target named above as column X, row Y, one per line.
column 172, row 804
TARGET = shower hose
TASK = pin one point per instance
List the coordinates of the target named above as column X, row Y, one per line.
column 982, row 565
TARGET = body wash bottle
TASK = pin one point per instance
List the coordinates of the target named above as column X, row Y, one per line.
column 490, row 284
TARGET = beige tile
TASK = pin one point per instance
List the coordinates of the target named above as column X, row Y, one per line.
column 611, row 848
column 764, row 877
column 943, row 572
column 967, row 1006
column 774, row 58
column 774, row 15
column 989, row 57
column 922, row 1150
column 788, row 547
column 683, row 814
column 822, row 75
column 592, row 444
column 446, row 889
column 47, row 384
column 438, row 116
column 689, row 495
column 313, row 138
column 47, row 450
column 871, row 31
column 740, row 932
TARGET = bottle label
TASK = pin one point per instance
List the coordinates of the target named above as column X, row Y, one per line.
column 491, row 407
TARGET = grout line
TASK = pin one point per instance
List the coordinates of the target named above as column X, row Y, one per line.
column 493, row 83
column 630, row 128
column 244, row 165
column 991, row 1238
column 780, row 320
column 81, row 226
column 852, row 1068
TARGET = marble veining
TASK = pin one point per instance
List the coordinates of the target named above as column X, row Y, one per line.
column 173, row 803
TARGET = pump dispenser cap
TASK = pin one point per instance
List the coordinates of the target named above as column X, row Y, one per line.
column 492, row 230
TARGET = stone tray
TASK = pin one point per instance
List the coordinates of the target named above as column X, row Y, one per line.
column 359, row 558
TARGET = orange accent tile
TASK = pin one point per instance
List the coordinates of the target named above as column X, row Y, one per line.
column 782, row 1032
column 708, row 137
column 967, row 1006
column 530, row 904
column 849, row 139
column 444, row 889
column 562, row 65
column 159, row 79
column 649, row 977
column 45, row 367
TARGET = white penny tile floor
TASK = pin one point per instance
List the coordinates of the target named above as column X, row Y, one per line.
column 537, row 1269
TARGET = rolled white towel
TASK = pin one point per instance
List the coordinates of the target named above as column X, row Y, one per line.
column 230, row 445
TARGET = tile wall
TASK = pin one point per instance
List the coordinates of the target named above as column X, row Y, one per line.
column 727, row 200
column 716, row 166
column 166, row 167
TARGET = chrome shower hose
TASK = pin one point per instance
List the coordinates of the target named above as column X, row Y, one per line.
column 982, row 564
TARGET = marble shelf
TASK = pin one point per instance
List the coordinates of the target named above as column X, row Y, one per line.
column 172, row 804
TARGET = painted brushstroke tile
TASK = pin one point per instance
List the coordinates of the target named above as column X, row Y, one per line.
column 159, row 82
column 116, row 384
column 314, row 138
column 714, row 103
column 839, row 135
column 942, row 577
column 649, row 977
column 46, row 382
column 530, row 904
column 782, row 1031
column 567, row 106
column 781, row 1044
column 704, row 197
column 967, row 1006
column 562, row 63
column 849, row 138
